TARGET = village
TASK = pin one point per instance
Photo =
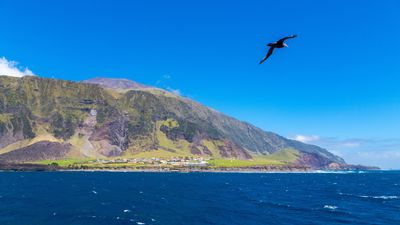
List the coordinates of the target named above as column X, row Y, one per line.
column 173, row 161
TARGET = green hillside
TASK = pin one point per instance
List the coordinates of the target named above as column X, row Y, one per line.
column 124, row 120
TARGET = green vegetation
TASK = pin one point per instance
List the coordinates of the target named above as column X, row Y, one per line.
column 5, row 117
column 26, row 127
column 213, row 146
column 170, row 123
column 160, row 154
column 288, row 155
column 63, row 162
column 173, row 147
column 63, row 128
column 232, row 163
column 282, row 157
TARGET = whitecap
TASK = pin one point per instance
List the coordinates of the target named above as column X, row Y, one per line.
column 381, row 197
column 127, row 210
column 332, row 207
column 140, row 223
column 94, row 192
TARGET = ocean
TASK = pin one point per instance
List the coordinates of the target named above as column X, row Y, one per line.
column 144, row 198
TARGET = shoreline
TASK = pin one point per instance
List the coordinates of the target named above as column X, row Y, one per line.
column 26, row 167
column 225, row 170
column 222, row 171
column 203, row 171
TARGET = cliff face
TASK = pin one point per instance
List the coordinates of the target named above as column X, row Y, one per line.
column 107, row 118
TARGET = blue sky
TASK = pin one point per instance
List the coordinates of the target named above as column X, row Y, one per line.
column 336, row 85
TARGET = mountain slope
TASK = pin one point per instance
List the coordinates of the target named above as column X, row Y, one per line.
column 115, row 83
column 98, row 120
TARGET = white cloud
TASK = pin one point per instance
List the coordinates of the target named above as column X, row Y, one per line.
column 306, row 139
column 329, row 142
column 10, row 68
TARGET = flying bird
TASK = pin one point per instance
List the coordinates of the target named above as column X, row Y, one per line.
column 279, row 44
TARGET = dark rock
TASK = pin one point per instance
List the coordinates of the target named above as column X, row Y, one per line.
column 43, row 150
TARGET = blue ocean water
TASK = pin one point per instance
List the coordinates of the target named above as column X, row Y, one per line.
column 85, row 198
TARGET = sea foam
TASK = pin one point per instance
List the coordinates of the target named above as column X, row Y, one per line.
column 332, row 207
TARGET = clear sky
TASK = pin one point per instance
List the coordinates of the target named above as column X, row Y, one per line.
column 337, row 85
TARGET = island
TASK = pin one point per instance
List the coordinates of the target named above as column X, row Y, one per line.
column 119, row 124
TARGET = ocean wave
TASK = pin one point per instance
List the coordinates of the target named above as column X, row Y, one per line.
column 385, row 197
column 380, row 197
column 332, row 207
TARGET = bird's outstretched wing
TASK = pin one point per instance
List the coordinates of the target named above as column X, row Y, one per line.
column 268, row 54
column 285, row 38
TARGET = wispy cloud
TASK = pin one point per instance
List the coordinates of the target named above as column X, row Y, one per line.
column 162, row 80
column 306, row 138
column 329, row 141
column 10, row 68
column 163, row 83
column 350, row 144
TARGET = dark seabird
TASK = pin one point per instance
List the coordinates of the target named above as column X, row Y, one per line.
column 278, row 44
